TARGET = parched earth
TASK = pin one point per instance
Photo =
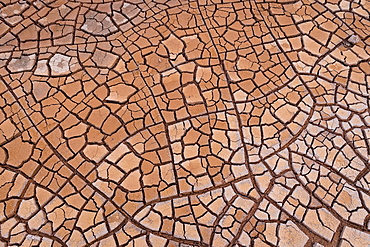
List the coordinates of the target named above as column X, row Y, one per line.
column 185, row 123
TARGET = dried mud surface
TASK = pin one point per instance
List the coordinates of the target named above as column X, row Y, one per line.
column 185, row 123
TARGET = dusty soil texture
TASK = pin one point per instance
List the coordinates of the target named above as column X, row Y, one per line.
column 185, row 123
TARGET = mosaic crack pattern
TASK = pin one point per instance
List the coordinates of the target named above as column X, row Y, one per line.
column 185, row 123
